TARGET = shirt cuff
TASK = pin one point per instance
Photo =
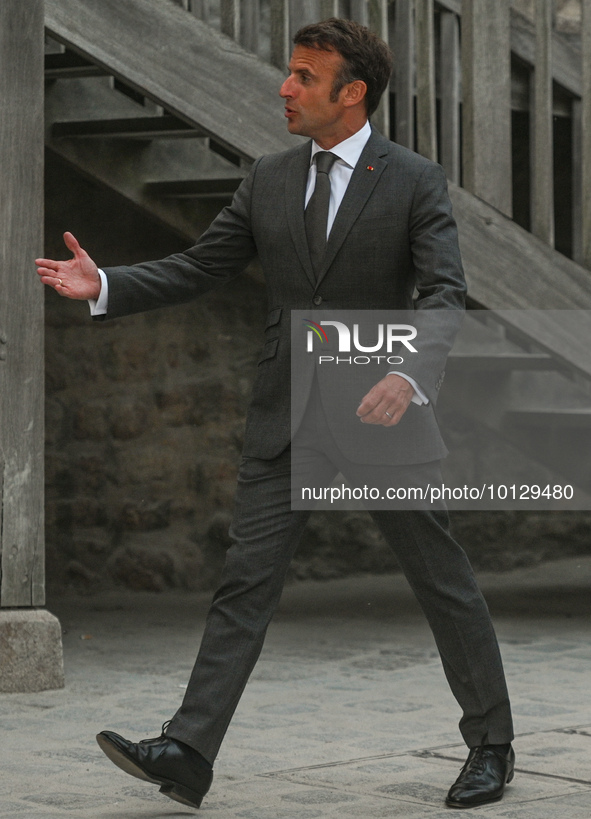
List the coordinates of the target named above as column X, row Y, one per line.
column 419, row 397
column 98, row 307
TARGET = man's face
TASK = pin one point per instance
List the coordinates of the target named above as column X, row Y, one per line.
column 307, row 94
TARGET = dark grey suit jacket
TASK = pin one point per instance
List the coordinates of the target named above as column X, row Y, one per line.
column 393, row 232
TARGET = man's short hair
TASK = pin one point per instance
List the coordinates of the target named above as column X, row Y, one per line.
column 365, row 56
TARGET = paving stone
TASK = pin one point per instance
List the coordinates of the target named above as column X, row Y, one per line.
column 347, row 715
column 69, row 801
column 557, row 753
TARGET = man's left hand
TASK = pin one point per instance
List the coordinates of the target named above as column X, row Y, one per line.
column 386, row 403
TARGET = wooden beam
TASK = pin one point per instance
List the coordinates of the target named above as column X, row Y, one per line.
column 586, row 134
column 486, row 86
column 541, row 131
column 425, row 69
column 507, row 267
column 404, row 73
column 450, row 95
column 377, row 21
column 21, row 305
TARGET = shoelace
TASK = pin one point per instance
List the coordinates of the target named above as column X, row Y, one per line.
column 162, row 734
column 477, row 763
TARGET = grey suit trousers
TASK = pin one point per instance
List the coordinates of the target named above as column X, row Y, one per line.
column 265, row 533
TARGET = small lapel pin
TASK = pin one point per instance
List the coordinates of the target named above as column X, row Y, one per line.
column 370, row 167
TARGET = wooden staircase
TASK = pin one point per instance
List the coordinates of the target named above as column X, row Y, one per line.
column 153, row 102
column 503, row 376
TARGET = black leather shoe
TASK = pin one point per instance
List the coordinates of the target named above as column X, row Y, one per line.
column 483, row 778
column 182, row 773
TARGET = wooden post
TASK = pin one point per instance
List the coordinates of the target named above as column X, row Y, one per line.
column 404, row 61
column 360, row 11
column 22, row 633
column 577, row 179
column 329, row 8
column 200, row 8
column 303, row 12
column 21, row 305
column 280, row 40
column 486, row 90
column 450, row 95
column 425, row 48
column 586, row 134
column 377, row 21
column 250, row 23
column 542, row 153
column 230, row 18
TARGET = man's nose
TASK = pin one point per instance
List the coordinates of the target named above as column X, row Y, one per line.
column 286, row 89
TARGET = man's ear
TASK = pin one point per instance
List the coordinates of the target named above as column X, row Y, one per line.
column 354, row 93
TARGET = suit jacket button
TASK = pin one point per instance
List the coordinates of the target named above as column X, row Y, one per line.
column 317, row 300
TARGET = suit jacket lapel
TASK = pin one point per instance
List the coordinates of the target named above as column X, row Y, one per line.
column 295, row 194
column 360, row 188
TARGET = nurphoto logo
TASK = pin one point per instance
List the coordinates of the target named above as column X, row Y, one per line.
column 386, row 338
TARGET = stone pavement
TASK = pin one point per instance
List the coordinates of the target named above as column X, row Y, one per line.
column 347, row 714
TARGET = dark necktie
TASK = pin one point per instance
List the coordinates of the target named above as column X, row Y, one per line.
column 316, row 216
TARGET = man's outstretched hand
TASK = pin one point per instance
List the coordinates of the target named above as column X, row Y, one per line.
column 77, row 278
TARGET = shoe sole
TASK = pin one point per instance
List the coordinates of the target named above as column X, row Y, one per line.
column 173, row 790
column 451, row 804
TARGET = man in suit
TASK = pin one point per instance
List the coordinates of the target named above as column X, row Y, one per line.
column 381, row 228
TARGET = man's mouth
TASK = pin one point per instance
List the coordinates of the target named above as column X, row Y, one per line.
column 289, row 111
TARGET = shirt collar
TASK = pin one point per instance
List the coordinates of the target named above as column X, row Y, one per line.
column 349, row 150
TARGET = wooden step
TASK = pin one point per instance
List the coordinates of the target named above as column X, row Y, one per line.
column 68, row 65
column 128, row 128
column 194, row 188
column 500, row 362
column 203, row 76
column 572, row 419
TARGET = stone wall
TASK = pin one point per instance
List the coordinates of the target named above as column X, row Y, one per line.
column 144, row 428
column 144, row 421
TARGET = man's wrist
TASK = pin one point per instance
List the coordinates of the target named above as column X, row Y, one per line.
column 98, row 306
column 419, row 396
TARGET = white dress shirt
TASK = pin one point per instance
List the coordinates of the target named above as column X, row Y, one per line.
column 348, row 152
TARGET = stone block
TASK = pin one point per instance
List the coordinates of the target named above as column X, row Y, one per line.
column 145, row 517
column 90, row 422
column 143, row 569
column 128, row 420
column 31, row 655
